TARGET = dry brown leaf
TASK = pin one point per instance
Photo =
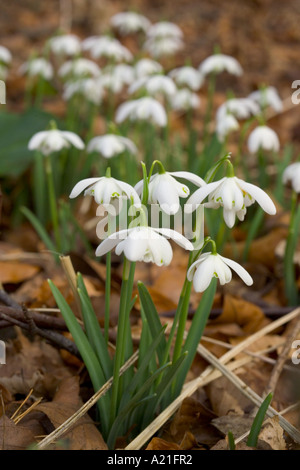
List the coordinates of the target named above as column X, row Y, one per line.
column 83, row 435
column 237, row 424
column 272, row 434
column 160, row 444
column 225, row 398
column 245, row 314
column 14, row 436
column 12, row 272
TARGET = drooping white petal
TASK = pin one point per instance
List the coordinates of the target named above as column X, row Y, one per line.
column 110, row 242
column 177, row 237
column 199, row 195
column 259, row 195
column 244, row 275
column 81, row 185
column 74, row 139
column 195, row 179
column 36, row 140
column 203, row 274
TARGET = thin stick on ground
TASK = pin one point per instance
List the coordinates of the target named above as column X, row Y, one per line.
column 193, row 385
column 282, row 358
column 63, row 428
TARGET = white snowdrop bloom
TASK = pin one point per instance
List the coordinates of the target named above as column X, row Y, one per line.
column 226, row 124
column 5, row 55
column 79, row 68
column 241, row 108
column 110, row 144
column 267, row 97
column 164, row 29
column 218, row 63
column 166, row 191
column 184, row 99
column 210, row 265
column 154, row 85
column 112, row 82
column 66, row 44
column 145, row 67
column 54, row 140
column 143, row 109
column 105, row 46
column 123, row 72
column 130, row 22
column 37, row 67
column 263, row 137
column 234, row 195
column 105, row 189
column 163, row 46
column 187, row 76
column 292, row 174
column 144, row 244
column 90, row 88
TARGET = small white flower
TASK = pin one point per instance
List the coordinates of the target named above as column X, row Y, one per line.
column 145, row 67
column 267, row 97
column 241, row 108
column 5, row 55
column 154, row 85
column 105, row 46
column 263, row 137
column 124, row 72
column 66, row 44
column 105, row 189
column 129, row 22
column 90, row 88
column 110, row 144
column 225, row 125
column 184, row 99
column 218, row 63
column 163, row 46
column 144, row 244
column 54, row 140
column 210, row 265
column 234, row 195
column 292, row 174
column 38, row 66
column 164, row 29
column 79, row 68
column 142, row 109
column 166, row 191
column 116, row 77
column 187, row 76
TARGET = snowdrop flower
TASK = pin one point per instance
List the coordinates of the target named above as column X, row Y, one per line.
column 79, row 68
column 145, row 67
column 292, row 174
column 166, row 191
column 105, row 46
column 154, row 85
column 129, row 22
column 38, row 66
column 210, row 265
column 54, row 140
column 241, row 108
column 234, row 195
column 164, row 29
column 90, row 88
column 185, row 99
column 124, row 72
column 267, row 97
column 144, row 244
column 226, row 124
column 110, row 144
column 263, row 137
column 5, row 55
column 163, row 46
column 187, row 76
column 105, row 189
column 66, row 44
column 217, row 63
column 142, row 109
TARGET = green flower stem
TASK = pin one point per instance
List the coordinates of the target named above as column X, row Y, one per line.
column 107, row 296
column 52, row 200
column 209, row 107
column 121, row 338
column 291, row 290
column 182, row 321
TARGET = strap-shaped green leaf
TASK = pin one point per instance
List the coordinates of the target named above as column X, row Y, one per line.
column 258, row 421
